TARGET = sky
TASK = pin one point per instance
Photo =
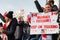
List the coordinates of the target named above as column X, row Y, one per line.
column 15, row 5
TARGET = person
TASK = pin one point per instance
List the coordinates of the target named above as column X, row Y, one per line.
column 2, row 35
column 2, row 18
column 19, row 29
column 23, row 28
column 51, row 0
column 1, row 29
column 11, row 25
column 54, row 7
column 40, row 9
column 47, row 9
column 38, row 6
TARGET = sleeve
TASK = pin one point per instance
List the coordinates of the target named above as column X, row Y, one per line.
column 21, row 23
column 55, row 8
column 38, row 6
column 12, row 29
column 2, row 18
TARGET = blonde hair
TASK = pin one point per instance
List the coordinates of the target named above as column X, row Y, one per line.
column 20, row 18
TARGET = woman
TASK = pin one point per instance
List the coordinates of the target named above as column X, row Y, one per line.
column 11, row 25
column 19, row 29
column 40, row 9
column 2, row 35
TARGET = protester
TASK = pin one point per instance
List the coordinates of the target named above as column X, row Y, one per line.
column 38, row 6
column 54, row 7
column 23, row 27
column 11, row 25
column 51, row 0
column 2, row 35
column 2, row 18
column 19, row 29
column 1, row 29
column 40, row 9
column 48, row 8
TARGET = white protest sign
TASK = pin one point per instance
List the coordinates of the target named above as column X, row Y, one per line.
column 44, row 23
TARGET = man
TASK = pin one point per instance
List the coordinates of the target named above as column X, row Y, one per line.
column 11, row 24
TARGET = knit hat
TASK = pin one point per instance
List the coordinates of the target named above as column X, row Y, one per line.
column 10, row 14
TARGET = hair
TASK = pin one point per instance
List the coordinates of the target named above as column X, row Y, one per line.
column 51, row 2
column 20, row 18
column 48, row 4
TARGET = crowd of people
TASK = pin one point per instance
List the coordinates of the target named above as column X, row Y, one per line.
column 14, row 29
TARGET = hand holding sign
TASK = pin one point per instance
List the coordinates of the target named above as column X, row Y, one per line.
column 44, row 23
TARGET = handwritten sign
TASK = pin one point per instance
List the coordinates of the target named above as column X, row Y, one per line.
column 44, row 23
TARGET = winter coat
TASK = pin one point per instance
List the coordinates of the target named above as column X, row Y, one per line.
column 10, row 30
column 19, row 30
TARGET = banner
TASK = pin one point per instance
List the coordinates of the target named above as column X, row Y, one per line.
column 44, row 23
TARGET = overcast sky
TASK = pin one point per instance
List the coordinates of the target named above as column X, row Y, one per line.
column 27, row 5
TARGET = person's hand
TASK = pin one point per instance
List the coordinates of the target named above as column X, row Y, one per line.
column 1, row 29
column 59, row 19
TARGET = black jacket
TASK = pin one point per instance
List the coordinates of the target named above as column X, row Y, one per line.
column 19, row 30
column 10, row 30
column 38, row 6
column 2, row 17
column 54, row 8
column 1, row 38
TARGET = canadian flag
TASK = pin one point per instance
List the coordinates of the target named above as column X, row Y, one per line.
column 35, row 14
column 29, row 18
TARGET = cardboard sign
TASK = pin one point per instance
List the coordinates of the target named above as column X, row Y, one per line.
column 44, row 23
